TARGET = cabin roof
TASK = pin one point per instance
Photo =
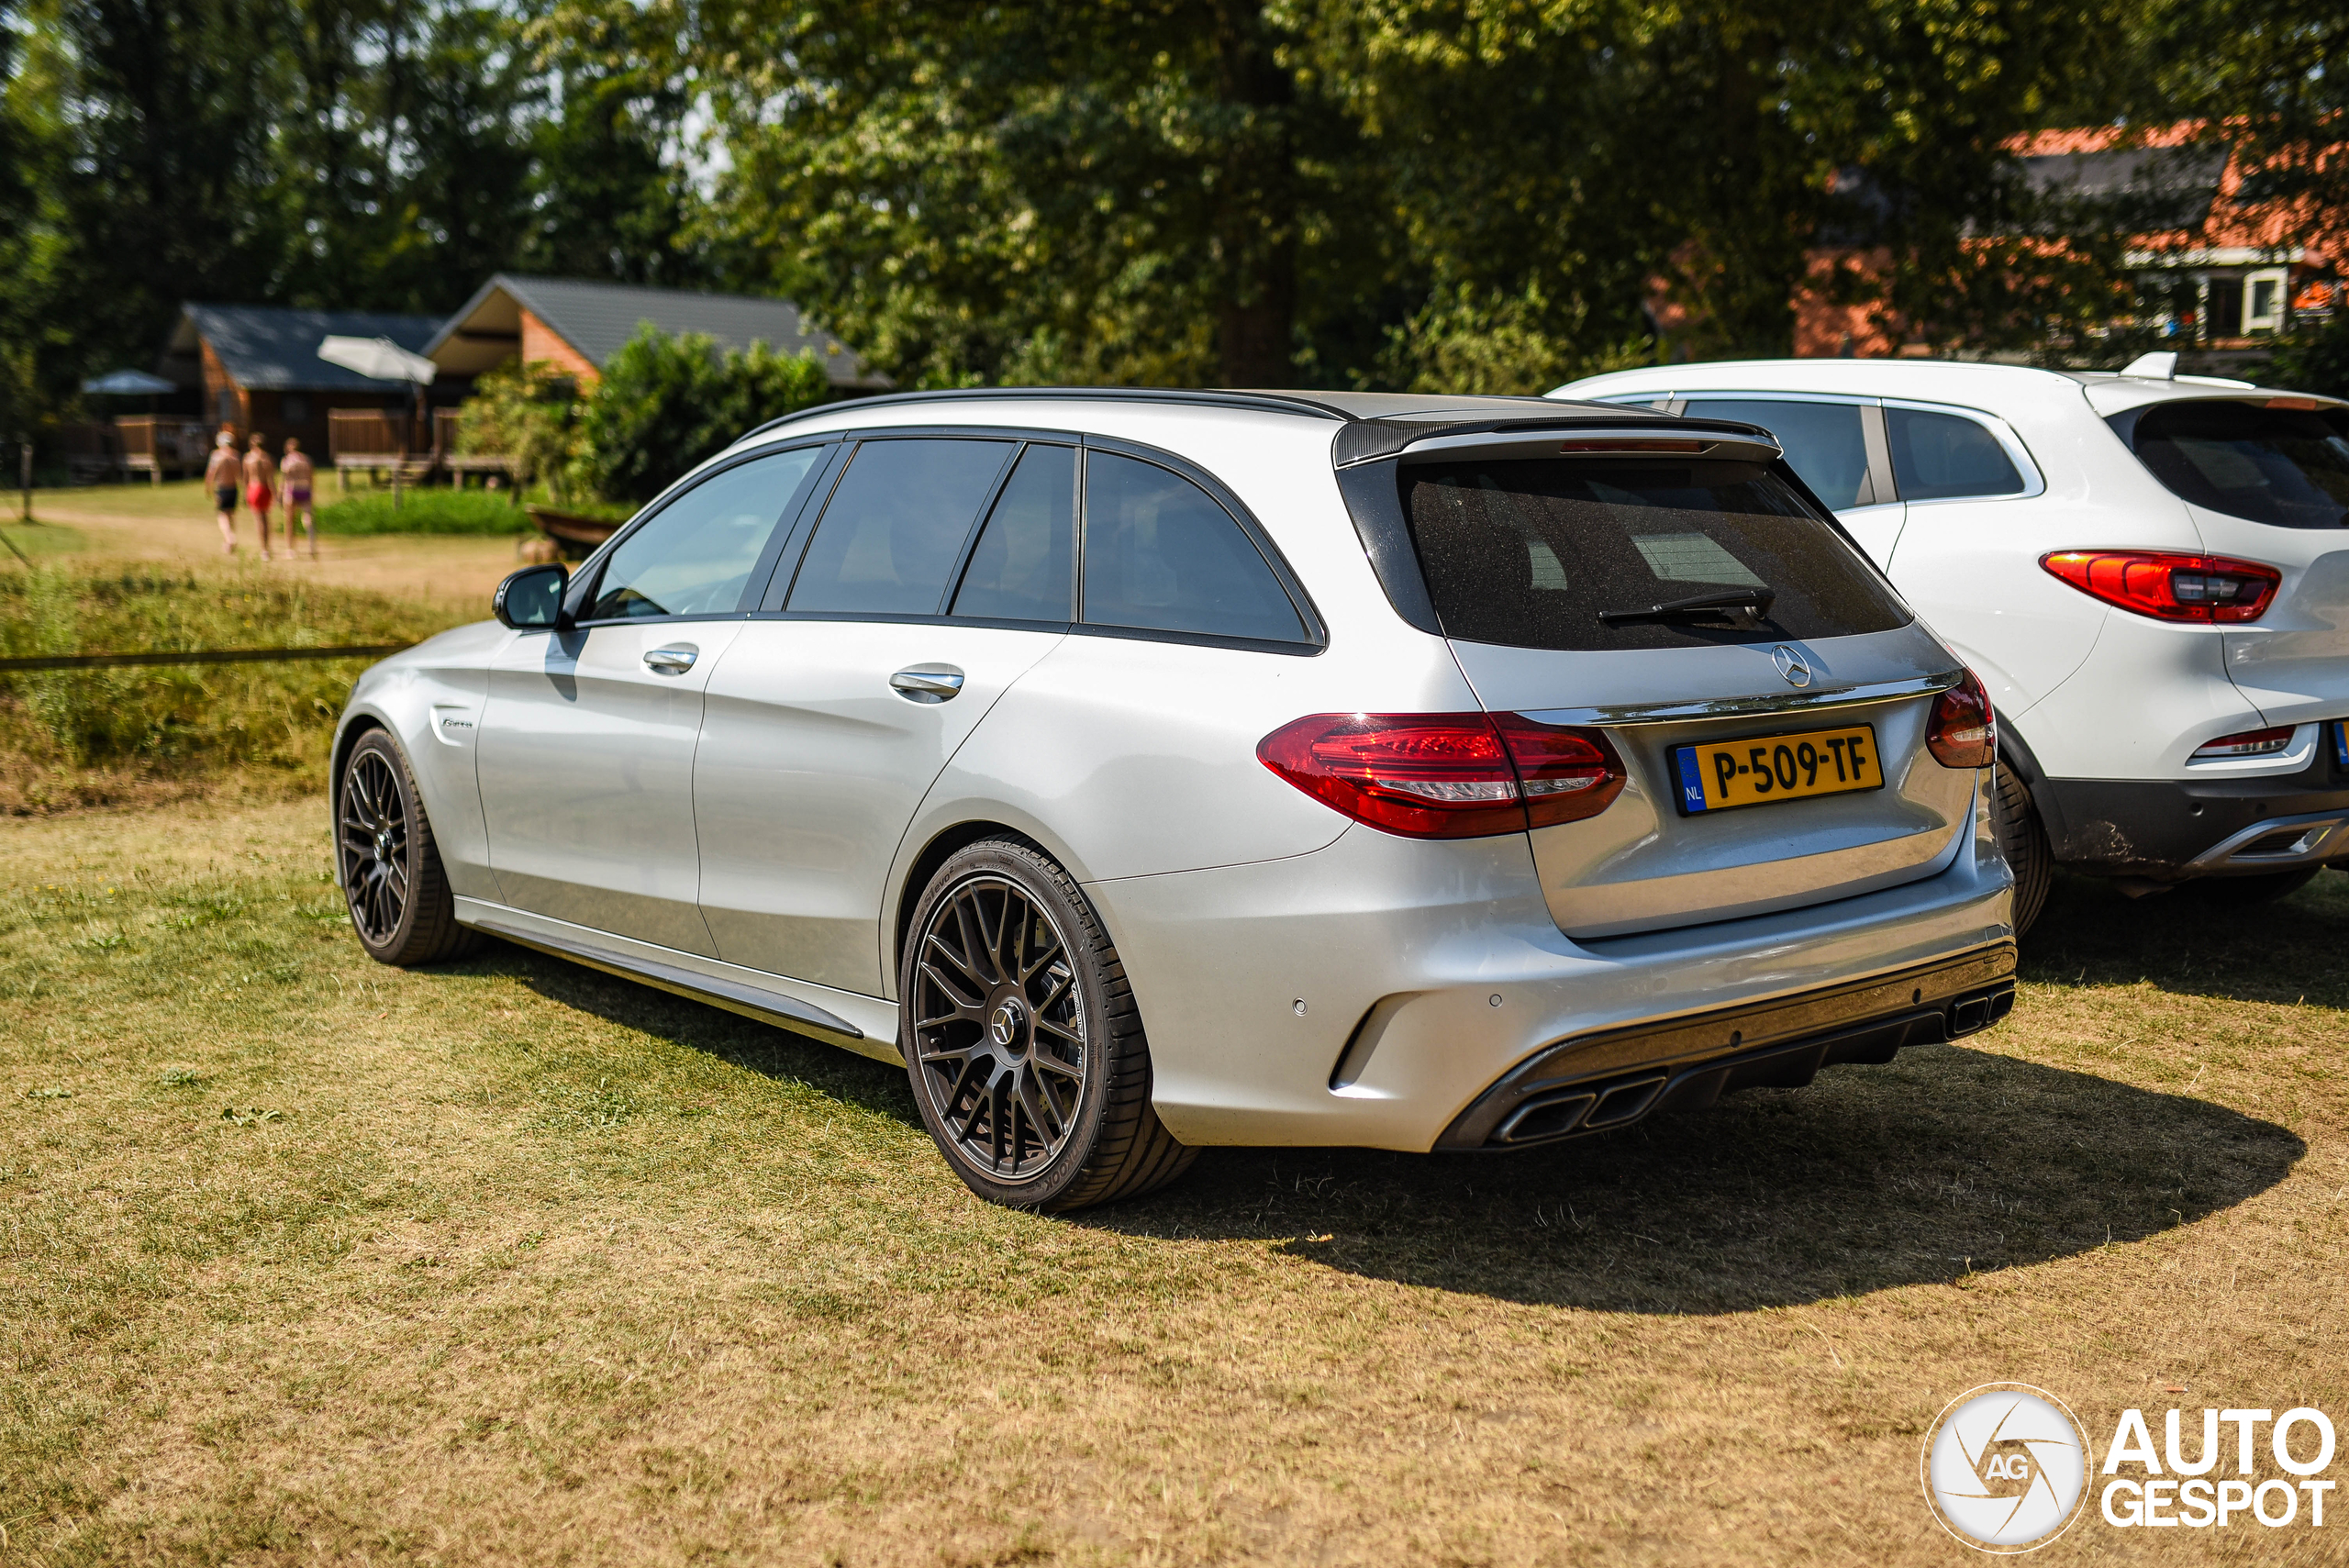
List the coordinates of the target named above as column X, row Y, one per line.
column 268, row 348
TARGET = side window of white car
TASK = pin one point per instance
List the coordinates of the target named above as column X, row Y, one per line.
column 1939, row 457
column 695, row 556
column 1161, row 554
column 895, row 526
column 1822, row 441
column 1020, row 568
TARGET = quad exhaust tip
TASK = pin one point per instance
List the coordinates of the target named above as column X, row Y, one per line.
column 1573, row 1110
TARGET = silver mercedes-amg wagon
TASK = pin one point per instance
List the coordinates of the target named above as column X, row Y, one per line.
column 1152, row 770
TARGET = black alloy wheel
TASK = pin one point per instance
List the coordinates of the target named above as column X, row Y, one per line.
column 1022, row 1040
column 2023, row 837
column 999, row 1028
column 390, row 869
column 376, row 877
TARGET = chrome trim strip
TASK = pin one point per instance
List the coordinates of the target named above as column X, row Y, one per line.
column 768, row 1006
column 1739, row 707
column 2319, row 831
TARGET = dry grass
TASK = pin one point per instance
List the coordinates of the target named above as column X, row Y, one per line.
column 71, row 738
column 531, row 1265
column 173, row 523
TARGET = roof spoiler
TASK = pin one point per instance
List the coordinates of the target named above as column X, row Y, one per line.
column 1371, row 439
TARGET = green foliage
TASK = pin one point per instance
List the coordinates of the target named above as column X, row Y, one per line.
column 345, row 154
column 2315, row 358
column 1466, row 342
column 665, row 402
column 182, row 720
column 528, row 413
column 435, row 510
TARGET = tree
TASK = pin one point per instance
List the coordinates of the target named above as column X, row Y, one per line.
column 665, row 402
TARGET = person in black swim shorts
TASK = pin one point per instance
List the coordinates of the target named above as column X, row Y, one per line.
column 222, row 476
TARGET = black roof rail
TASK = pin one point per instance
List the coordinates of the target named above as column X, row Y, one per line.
column 1266, row 402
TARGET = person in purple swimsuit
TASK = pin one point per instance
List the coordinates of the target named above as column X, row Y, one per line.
column 296, row 473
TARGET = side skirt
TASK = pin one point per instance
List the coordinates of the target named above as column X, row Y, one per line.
column 876, row 1037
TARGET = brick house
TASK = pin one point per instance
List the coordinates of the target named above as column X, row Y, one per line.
column 578, row 325
column 2223, row 273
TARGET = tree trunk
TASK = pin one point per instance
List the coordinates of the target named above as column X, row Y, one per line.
column 1255, row 220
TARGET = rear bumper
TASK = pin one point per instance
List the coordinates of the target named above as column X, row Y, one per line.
column 1610, row 1080
column 2171, row 830
column 1370, row 993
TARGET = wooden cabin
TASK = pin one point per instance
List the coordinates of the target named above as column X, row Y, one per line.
column 260, row 370
column 578, row 325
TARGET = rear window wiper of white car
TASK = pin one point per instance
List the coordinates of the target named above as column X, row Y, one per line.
column 1752, row 602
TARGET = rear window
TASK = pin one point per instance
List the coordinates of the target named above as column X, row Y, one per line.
column 2285, row 466
column 1534, row 552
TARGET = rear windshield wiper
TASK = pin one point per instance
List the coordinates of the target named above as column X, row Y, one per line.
column 1752, row 602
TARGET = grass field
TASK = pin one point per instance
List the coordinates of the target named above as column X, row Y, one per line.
column 173, row 523
column 306, row 1259
column 75, row 738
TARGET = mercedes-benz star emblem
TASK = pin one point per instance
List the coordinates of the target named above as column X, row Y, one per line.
column 1791, row 665
column 1003, row 1023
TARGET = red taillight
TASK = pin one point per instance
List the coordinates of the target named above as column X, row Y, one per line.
column 1446, row 775
column 2249, row 743
column 1962, row 732
column 2166, row 586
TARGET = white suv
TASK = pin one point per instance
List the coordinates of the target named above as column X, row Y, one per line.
column 2150, row 572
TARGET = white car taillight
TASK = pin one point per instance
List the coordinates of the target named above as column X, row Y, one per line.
column 2249, row 743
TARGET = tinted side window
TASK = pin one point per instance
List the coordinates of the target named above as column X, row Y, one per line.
column 1020, row 568
column 1938, row 456
column 1160, row 553
column 1822, row 441
column 695, row 556
column 896, row 527
column 1552, row 552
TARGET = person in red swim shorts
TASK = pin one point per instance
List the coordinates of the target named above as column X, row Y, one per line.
column 298, row 473
column 261, row 487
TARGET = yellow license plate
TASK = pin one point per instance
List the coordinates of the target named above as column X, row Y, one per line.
column 1721, row 775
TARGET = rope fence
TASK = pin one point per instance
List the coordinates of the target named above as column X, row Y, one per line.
column 216, row 656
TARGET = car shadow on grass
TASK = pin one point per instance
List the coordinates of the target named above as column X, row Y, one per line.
column 1951, row 1162
column 738, row 1041
column 2188, row 943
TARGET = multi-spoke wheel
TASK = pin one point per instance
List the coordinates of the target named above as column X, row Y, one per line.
column 1021, row 1038
column 391, row 873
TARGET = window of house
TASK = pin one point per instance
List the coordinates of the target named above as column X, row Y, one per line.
column 2264, row 309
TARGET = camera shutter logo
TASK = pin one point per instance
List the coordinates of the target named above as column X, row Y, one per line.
column 2005, row 1467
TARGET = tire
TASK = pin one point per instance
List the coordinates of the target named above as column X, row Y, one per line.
column 2245, row 892
column 2025, row 839
column 393, row 882
column 1024, row 1048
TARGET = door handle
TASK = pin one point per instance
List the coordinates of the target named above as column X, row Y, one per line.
column 927, row 686
column 674, row 660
